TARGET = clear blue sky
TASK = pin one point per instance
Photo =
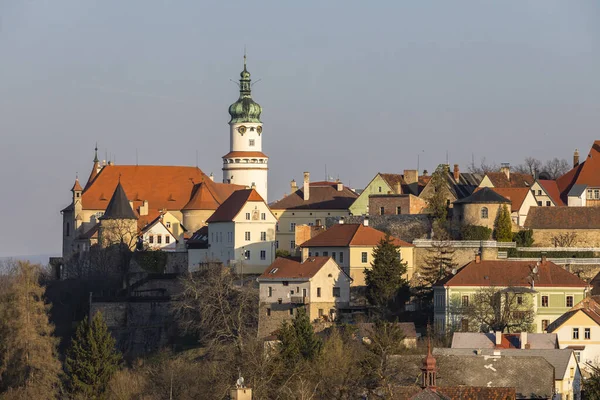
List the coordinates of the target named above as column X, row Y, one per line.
column 358, row 86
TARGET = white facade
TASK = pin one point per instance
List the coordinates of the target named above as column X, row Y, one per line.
column 158, row 237
column 245, row 164
column 582, row 334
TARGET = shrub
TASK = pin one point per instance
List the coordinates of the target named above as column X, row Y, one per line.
column 475, row 232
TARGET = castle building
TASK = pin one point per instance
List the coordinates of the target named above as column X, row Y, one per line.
column 246, row 164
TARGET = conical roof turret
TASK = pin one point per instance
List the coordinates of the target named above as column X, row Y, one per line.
column 118, row 206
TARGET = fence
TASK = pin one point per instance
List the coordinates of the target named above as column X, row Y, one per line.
column 562, row 261
column 465, row 243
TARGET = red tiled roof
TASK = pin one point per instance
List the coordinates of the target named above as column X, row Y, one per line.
column 243, row 154
column 512, row 273
column 76, row 186
column 286, row 268
column 323, row 196
column 234, row 203
column 209, row 195
column 344, row 235
column 499, row 179
column 563, row 218
column 586, row 173
column 515, row 195
column 551, row 188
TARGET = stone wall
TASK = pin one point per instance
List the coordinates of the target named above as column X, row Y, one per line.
column 405, row 227
column 583, row 238
column 408, row 204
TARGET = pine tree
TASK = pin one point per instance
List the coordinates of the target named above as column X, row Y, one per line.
column 29, row 365
column 503, row 225
column 92, row 358
column 439, row 261
column 385, row 280
column 298, row 339
column 437, row 203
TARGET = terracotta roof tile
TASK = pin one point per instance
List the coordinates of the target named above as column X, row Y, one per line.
column 76, row 186
column 209, row 195
column 551, row 188
column 512, row 273
column 515, row 195
column 500, row 180
column 245, row 154
column 563, row 218
column 586, row 173
column 323, row 196
column 234, row 203
column 344, row 235
column 286, row 268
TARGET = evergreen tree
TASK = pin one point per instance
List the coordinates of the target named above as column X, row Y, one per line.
column 503, row 225
column 385, row 280
column 438, row 202
column 29, row 366
column 298, row 339
column 92, row 358
column 439, row 261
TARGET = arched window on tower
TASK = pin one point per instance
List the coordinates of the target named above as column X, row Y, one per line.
column 484, row 213
column 68, row 229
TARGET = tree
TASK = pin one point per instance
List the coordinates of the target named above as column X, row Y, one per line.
column 386, row 285
column 213, row 306
column 530, row 166
column 491, row 308
column 524, row 238
column 503, row 225
column 29, row 366
column 483, row 168
column 439, row 261
column 437, row 203
column 555, row 167
column 591, row 385
column 298, row 339
column 475, row 232
column 92, row 359
column 566, row 239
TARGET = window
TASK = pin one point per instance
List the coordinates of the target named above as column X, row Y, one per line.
column 151, row 239
column 548, row 203
column 569, row 301
column 587, row 334
column 545, row 323
column 251, row 142
column 167, row 239
column 159, row 239
column 68, row 229
column 168, row 224
column 263, row 216
column 398, row 210
column 293, row 244
column 572, row 372
column 341, row 257
column 270, row 292
column 464, row 325
column 336, row 292
column 247, row 216
column 539, row 203
column 577, row 354
column 247, row 236
column 575, row 333
column 318, row 292
column 268, row 312
column 382, row 210
column 363, row 257
column 263, row 236
column 277, row 244
column 316, row 254
column 465, row 301
column 596, row 194
column 333, row 255
column 484, row 213
column 379, row 189
column 544, row 301
column 325, row 254
column 520, row 300
column 291, row 311
column 247, row 254
column 263, row 254
column 589, row 193
column 320, row 312
column 539, row 192
column 304, row 292
column 277, row 227
column 285, row 283
column 292, row 227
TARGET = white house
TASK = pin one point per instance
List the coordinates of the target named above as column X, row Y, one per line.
column 163, row 233
column 241, row 233
column 318, row 283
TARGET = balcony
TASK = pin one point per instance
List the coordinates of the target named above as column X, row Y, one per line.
column 298, row 299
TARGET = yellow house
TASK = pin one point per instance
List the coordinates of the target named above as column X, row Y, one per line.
column 351, row 245
column 579, row 329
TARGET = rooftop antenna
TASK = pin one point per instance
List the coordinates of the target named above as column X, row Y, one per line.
column 136, row 157
column 447, row 157
column 326, row 176
column 196, row 158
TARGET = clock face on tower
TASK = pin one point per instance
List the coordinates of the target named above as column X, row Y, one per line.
column 259, row 129
column 242, row 129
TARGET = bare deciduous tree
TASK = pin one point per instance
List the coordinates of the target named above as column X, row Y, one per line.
column 556, row 167
column 483, row 168
column 566, row 239
column 529, row 166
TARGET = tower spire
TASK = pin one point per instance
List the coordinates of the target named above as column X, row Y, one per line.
column 96, row 153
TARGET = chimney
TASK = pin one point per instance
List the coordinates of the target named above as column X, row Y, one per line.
column 398, row 188
column 544, row 258
column 411, row 176
column 456, row 173
column 425, row 172
column 212, row 177
column 478, row 258
column 576, row 158
column 293, row 186
column 523, row 340
column 341, row 221
column 498, row 338
column 505, row 167
column 366, row 221
column 306, row 186
column 110, row 163
column 340, row 186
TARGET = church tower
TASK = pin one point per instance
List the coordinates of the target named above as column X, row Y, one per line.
column 246, row 164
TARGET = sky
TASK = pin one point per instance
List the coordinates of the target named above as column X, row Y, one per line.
column 348, row 87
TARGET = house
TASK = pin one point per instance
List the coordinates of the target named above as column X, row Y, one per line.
column 546, row 193
column 309, row 205
column 396, row 204
column 317, row 283
column 579, row 329
column 365, row 332
column 567, row 375
column 481, row 208
column 506, row 179
column 580, row 187
column 351, row 246
column 499, row 340
column 542, row 287
column 472, row 376
column 458, row 185
column 521, row 200
column 165, row 233
column 409, row 183
column 565, row 226
column 241, row 233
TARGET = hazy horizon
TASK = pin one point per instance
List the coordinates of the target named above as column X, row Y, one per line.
column 353, row 87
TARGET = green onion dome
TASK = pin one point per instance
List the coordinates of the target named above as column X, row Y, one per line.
column 245, row 109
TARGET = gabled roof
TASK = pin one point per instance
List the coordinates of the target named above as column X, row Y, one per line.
column 484, row 196
column 199, row 240
column 589, row 306
column 407, row 188
column 322, row 196
column 344, row 235
column 209, row 195
column 586, row 173
column 563, row 218
column 515, row 195
column 500, row 180
column 233, row 205
column 479, row 340
column 118, row 206
column 90, row 233
column 488, row 273
column 577, row 190
column 551, row 189
column 287, row 268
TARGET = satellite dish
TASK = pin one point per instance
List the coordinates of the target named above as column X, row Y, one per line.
column 453, row 271
column 535, row 269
